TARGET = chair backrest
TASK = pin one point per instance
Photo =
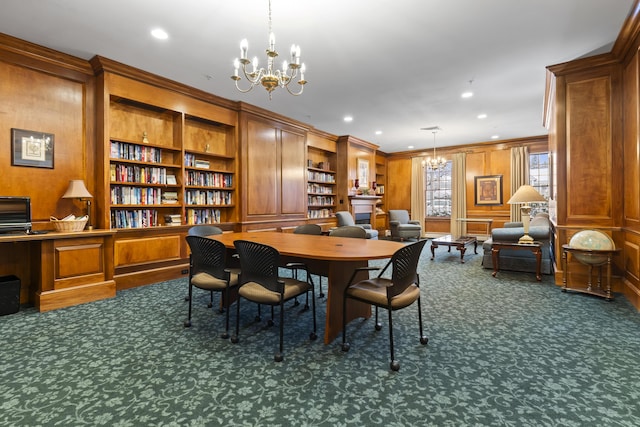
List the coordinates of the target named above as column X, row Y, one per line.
column 207, row 256
column 259, row 263
column 313, row 229
column 204, row 230
column 349, row 231
column 402, row 216
column 405, row 265
column 345, row 218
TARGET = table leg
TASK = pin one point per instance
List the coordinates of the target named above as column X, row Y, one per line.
column 433, row 249
column 538, row 253
column 495, row 258
column 462, row 250
column 475, row 247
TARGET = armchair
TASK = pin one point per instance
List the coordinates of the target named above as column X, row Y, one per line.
column 402, row 227
column 345, row 218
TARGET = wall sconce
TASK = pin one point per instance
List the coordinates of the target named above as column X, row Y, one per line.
column 77, row 190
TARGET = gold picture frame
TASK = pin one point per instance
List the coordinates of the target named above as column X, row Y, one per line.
column 488, row 190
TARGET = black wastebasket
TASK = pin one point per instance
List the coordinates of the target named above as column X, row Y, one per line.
column 9, row 295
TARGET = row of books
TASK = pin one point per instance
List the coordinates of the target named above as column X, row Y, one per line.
column 140, row 153
column 320, row 201
column 203, row 216
column 138, row 218
column 319, row 189
column 321, row 176
column 208, row 197
column 209, row 179
column 123, row 195
column 140, row 174
column 320, row 213
column 191, row 161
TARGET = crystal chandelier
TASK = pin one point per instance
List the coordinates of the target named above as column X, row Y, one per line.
column 269, row 78
column 434, row 162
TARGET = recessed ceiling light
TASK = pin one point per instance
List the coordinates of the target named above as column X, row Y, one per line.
column 378, row 132
column 482, row 116
column 411, row 147
column 159, row 33
column 348, row 119
column 467, row 94
column 495, row 136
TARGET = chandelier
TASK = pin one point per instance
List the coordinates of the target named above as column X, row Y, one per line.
column 435, row 162
column 269, row 78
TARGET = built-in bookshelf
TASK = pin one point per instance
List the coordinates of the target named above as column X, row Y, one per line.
column 321, row 190
column 168, row 168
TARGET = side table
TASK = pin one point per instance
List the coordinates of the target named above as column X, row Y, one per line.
column 535, row 247
column 596, row 254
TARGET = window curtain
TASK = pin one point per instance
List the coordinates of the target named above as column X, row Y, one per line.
column 519, row 176
column 418, row 202
column 458, row 194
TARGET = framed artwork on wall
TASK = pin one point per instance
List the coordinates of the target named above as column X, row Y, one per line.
column 363, row 173
column 31, row 148
column 488, row 190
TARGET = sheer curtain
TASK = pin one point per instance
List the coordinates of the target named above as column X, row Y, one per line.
column 519, row 176
column 418, row 201
column 458, row 194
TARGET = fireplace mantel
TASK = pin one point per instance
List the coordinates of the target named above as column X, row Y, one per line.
column 364, row 204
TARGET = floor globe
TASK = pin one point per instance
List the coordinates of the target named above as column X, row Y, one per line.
column 591, row 240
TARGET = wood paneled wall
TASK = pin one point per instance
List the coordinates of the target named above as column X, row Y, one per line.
column 482, row 159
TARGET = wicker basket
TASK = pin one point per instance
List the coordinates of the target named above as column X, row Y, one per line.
column 69, row 225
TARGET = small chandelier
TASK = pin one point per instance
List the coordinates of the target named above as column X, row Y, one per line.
column 435, row 162
column 269, row 78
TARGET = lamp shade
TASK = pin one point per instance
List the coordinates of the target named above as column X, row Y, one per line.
column 526, row 194
column 77, row 190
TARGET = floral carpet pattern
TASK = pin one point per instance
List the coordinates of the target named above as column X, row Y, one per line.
column 505, row 351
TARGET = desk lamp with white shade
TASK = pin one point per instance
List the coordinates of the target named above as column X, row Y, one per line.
column 77, row 190
column 526, row 194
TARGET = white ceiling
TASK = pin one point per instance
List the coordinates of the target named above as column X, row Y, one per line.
column 394, row 65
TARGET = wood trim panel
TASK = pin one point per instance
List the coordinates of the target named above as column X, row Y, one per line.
column 145, row 250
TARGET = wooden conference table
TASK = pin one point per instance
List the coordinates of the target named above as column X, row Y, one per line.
column 334, row 257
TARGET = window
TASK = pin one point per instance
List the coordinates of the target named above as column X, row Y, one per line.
column 539, row 179
column 438, row 191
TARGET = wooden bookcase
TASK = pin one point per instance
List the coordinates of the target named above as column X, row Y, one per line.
column 321, row 177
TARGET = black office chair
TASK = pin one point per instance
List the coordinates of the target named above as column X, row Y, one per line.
column 261, row 284
column 207, row 270
column 402, row 290
column 314, row 230
column 203, row 230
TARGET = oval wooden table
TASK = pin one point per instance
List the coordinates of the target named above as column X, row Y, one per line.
column 333, row 257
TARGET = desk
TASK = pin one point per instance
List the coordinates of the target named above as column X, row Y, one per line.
column 535, row 247
column 334, row 257
column 486, row 221
column 60, row 269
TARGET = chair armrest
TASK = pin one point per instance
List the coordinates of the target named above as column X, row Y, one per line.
column 413, row 221
column 365, row 226
column 394, row 222
column 296, row 265
column 358, row 270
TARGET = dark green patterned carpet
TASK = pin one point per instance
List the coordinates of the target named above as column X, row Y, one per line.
column 505, row 351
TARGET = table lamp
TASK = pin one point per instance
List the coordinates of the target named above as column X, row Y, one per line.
column 77, row 190
column 525, row 195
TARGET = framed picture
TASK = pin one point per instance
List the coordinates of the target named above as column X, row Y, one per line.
column 31, row 148
column 488, row 190
column 363, row 172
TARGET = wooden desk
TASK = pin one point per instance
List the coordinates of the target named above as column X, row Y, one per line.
column 486, row 221
column 60, row 269
column 334, row 257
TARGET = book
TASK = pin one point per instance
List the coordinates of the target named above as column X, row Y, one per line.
column 202, row 164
